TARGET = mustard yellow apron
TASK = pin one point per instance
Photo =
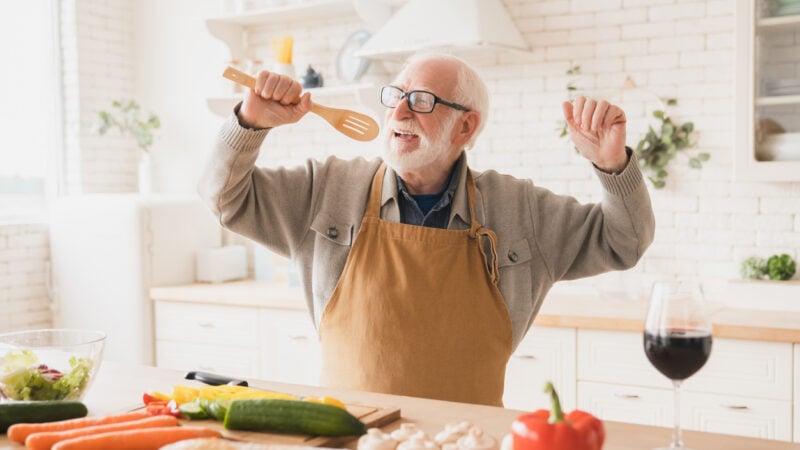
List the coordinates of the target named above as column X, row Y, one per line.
column 417, row 312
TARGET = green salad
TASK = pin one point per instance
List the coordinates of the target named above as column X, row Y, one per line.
column 23, row 377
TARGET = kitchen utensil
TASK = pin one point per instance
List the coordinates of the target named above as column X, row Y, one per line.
column 354, row 125
column 214, row 379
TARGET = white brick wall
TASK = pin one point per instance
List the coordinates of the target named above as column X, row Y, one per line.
column 97, row 68
column 707, row 221
column 24, row 251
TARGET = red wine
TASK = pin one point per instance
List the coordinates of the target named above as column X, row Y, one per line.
column 677, row 353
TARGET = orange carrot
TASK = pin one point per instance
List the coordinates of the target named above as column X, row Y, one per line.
column 46, row 440
column 19, row 432
column 145, row 439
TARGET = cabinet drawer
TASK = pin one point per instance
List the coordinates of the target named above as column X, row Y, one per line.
column 546, row 354
column 746, row 368
column 223, row 360
column 616, row 357
column 736, row 367
column 207, row 324
column 292, row 352
column 645, row 406
column 743, row 416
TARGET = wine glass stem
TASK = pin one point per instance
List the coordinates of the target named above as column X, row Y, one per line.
column 677, row 437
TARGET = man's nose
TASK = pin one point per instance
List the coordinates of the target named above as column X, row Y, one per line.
column 402, row 110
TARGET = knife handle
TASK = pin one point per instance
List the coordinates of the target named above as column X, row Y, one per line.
column 213, row 379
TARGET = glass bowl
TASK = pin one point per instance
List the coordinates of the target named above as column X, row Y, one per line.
column 53, row 364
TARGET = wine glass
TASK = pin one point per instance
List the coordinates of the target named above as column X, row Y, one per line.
column 677, row 337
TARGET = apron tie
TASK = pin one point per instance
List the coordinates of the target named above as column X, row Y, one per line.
column 494, row 273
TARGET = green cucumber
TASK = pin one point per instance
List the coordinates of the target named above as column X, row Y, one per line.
column 39, row 411
column 292, row 416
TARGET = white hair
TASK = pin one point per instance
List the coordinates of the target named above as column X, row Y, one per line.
column 470, row 89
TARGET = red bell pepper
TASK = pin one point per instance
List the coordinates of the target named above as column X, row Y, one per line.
column 548, row 430
column 162, row 408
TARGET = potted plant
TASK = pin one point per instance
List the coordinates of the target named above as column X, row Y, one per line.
column 124, row 116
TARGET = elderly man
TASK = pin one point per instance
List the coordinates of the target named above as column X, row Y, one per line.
column 421, row 274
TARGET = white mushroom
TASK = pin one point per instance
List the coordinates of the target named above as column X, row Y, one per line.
column 418, row 442
column 407, row 431
column 375, row 439
column 476, row 439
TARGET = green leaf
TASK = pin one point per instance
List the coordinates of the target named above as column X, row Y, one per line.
column 688, row 127
column 658, row 184
column 695, row 163
column 704, row 156
column 671, row 102
column 658, row 114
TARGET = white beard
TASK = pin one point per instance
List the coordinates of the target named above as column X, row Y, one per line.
column 426, row 154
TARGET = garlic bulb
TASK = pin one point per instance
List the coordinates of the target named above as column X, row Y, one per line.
column 375, row 439
column 418, row 442
column 477, row 440
column 407, row 431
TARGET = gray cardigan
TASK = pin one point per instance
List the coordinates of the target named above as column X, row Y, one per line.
column 312, row 214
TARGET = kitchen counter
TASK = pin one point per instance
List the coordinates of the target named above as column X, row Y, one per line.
column 559, row 310
column 119, row 388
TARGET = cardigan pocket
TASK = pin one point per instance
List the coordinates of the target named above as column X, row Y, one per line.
column 332, row 242
column 514, row 263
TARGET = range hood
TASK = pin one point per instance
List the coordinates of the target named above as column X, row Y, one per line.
column 456, row 26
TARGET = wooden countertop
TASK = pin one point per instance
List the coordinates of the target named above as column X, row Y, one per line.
column 119, row 388
column 559, row 310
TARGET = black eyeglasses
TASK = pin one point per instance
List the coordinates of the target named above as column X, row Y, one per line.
column 418, row 101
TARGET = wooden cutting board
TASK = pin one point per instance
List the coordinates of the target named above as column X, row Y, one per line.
column 372, row 416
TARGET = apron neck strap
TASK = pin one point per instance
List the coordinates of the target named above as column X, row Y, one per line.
column 376, row 192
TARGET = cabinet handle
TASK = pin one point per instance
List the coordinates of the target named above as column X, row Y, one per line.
column 298, row 337
column 736, row 407
column 627, row 396
column 529, row 357
column 205, row 324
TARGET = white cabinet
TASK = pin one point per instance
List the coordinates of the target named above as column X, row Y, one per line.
column 744, row 416
column 796, row 392
column 546, row 354
column 291, row 350
column 625, row 403
column 745, row 388
column 768, row 91
column 238, row 341
column 211, row 338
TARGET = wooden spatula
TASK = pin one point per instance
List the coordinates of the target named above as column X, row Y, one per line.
column 360, row 127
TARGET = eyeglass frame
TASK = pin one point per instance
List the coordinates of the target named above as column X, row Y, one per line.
column 407, row 96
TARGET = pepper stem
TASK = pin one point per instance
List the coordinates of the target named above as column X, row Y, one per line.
column 556, row 414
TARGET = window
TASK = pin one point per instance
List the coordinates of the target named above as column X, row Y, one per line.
column 30, row 109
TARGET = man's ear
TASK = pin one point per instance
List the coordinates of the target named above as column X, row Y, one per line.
column 466, row 126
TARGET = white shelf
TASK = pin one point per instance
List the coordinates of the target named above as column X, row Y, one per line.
column 773, row 23
column 320, row 9
column 231, row 29
column 778, row 100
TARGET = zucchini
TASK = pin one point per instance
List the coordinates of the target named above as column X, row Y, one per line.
column 39, row 411
column 292, row 416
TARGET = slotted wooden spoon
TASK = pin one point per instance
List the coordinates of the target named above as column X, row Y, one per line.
column 360, row 127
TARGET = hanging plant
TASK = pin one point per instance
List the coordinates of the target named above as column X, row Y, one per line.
column 125, row 117
column 662, row 144
column 573, row 71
